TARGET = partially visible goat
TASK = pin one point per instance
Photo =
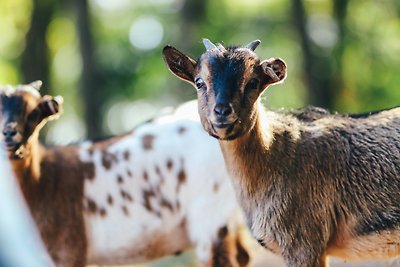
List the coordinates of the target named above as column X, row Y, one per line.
column 312, row 184
column 156, row 191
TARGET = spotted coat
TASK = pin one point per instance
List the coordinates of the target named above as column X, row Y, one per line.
column 158, row 190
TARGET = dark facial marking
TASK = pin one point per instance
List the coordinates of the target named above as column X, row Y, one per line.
column 228, row 70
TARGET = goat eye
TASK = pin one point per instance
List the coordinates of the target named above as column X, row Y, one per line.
column 252, row 84
column 200, row 83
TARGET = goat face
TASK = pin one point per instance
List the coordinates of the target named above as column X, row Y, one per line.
column 22, row 113
column 229, row 81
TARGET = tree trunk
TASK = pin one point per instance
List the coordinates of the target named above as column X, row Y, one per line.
column 322, row 73
column 89, row 87
column 35, row 61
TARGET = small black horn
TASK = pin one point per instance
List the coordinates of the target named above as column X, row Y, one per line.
column 253, row 45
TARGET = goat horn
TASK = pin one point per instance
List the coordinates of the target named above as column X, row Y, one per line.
column 36, row 84
column 208, row 44
column 253, row 45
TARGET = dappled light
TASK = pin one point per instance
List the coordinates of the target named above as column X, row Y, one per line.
column 146, row 33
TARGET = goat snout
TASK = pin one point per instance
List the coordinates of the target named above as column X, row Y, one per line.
column 9, row 132
column 11, row 137
column 223, row 109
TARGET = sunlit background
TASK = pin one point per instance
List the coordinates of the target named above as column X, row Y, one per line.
column 104, row 56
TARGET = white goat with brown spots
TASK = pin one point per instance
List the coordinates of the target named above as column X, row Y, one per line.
column 311, row 184
column 158, row 190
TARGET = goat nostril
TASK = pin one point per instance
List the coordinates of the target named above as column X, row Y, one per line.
column 222, row 110
column 9, row 132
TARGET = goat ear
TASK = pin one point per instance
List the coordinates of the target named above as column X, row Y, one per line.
column 273, row 71
column 49, row 108
column 179, row 64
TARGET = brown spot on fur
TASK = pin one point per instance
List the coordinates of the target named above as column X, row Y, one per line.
column 91, row 205
column 110, row 200
column 216, row 187
column 108, row 159
column 145, row 176
column 169, row 164
column 221, row 249
column 102, row 212
column 157, row 169
column 223, row 232
column 181, row 179
column 147, row 141
column 127, row 155
column 128, row 172
column 147, row 194
column 125, row 210
column 88, row 170
column 126, row 195
column 182, row 130
column 166, row 204
column 120, row 179
column 242, row 256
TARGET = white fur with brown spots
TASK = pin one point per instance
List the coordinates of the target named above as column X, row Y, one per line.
column 126, row 199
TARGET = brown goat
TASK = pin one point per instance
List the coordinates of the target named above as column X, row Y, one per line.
column 312, row 184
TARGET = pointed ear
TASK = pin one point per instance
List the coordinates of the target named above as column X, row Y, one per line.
column 49, row 108
column 274, row 71
column 179, row 64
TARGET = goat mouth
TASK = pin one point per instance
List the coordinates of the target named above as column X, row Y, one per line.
column 222, row 130
column 11, row 146
column 224, row 125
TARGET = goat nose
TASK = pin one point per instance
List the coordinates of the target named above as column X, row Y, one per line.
column 222, row 109
column 9, row 132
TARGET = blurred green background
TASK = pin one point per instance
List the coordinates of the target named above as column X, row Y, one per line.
column 104, row 56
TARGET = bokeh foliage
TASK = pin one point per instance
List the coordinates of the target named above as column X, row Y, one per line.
column 341, row 54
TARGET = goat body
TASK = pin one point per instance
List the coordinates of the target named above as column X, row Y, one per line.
column 312, row 184
column 127, row 199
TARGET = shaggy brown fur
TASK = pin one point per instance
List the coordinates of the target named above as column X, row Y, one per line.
column 312, row 184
